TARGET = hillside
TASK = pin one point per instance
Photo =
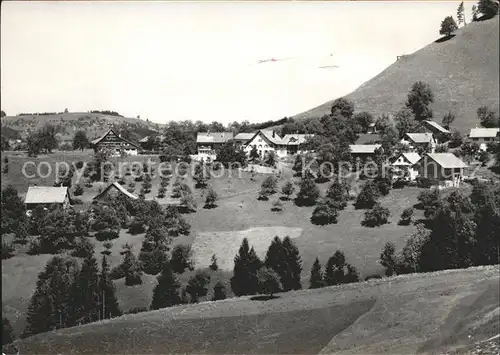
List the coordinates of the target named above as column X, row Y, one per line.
column 94, row 124
column 462, row 72
column 429, row 313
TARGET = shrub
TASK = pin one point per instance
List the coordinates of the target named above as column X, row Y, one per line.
column 269, row 281
column 277, row 206
column 326, row 212
column 78, row 190
column 211, row 198
column 308, row 193
column 288, row 189
column 424, row 182
column 7, row 250
column 219, row 292
column 77, row 201
column 376, row 217
column 384, row 185
column 339, row 192
column 136, row 310
column 406, row 216
column 107, row 234
column 268, row 187
column 181, row 258
column 388, row 259
column 198, row 286
column 368, row 196
column 83, row 248
column 213, row 265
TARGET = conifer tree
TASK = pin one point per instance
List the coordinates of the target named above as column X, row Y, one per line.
column 316, row 279
column 198, row 286
column 246, row 266
column 219, row 292
column 334, row 271
column 107, row 290
column 309, row 192
column 166, row 292
column 84, row 294
column 291, row 281
column 461, row 14
column 388, row 259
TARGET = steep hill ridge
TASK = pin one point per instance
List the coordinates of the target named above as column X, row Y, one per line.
column 462, row 71
column 427, row 313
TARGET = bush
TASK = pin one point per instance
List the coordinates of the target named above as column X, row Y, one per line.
column 78, row 190
column 135, row 310
column 83, row 248
column 326, row 212
column 106, row 234
column 277, row 206
column 7, row 250
column 181, row 258
column 198, row 286
column 219, row 292
column 269, row 281
column 384, row 185
column 376, row 217
column 406, row 216
column 211, row 198
column 424, row 182
column 308, row 193
column 368, row 196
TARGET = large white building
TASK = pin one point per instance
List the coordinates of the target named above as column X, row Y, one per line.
column 265, row 142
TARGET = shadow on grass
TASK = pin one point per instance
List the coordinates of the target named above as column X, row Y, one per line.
column 444, row 39
column 263, row 298
column 209, row 207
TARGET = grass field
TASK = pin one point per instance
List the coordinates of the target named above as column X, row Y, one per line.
column 427, row 313
column 462, row 72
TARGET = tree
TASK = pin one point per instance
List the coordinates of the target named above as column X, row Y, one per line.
column 80, row 140
column 269, row 187
column 166, row 291
column 419, row 99
column 448, row 26
column 405, row 122
column 338, row 191
column 201, row 175
column 469, row 149
column 50, row 304
column 449, row 117
column 13, row 214
column 475, row 13
column 364, row 119
column 107, row 293
column 487, row 117
column 368, row 196
column 130, row 267
column 377, row 216
column 334, row 270
column 297, row 165
column 84, row 294
column 456, row 140
column 288, row 189
column 181, row 258
column 461, row 14
column 488, row 8
column 219, row 292
column 308, row 191
column 270, row 159
column 316, row 279
column 187, row 202
column 325, row 212
column 269, row 282
column 229, row 154
column 154, row 249
column 254, row 154
column 211, row 198
column 246, row 264
column 342, row 107
column 388, row 259
column 198, row 286
column 213, row 263
column 7, row 332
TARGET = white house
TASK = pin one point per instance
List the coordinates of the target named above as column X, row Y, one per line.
column 484, row 135
column 45, row 196
column 444, row 168
column 265, row 142
column 415, row 140
column 404, row 165
column 208, row 143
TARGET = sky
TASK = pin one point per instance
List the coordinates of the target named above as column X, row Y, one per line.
column 198, row 60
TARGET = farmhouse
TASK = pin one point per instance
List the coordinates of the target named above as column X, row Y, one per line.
column 404, row 166
column 115, row 143
column 265, row 142
column 484, row 135
column 45, row 196
column 114, row 190
column 295, row 142
column 445, row 168
column 207, row 143
column 420, row 140
column 363, row 151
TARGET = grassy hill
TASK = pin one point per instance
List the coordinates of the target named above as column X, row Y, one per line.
column 428, row 313
column 94, row 124
column 462, row 72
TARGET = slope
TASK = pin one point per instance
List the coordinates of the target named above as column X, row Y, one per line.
column 463, row 73
column 94, row 124
column 405, row 314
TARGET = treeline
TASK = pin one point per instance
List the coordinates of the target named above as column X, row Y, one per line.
column 39, row 113
column 460, row 231
column 106, row 112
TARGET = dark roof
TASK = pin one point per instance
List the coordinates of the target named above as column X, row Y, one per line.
column 120, row 188
column 98, row 140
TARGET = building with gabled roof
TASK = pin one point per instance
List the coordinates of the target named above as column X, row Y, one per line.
column 115, row 143
column 242, row 138
column 364, row 150
column 444, row 168
column 435, row 127
column 484, row 135
column 46, row 196
column 207, row 143
column 404, row 165
column 112, row 190
column 416, row 140
column 266, row 141
column 295, row 142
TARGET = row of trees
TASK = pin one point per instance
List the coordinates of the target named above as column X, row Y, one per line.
column 487, row 8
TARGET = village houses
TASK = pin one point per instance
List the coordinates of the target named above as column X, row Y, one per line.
column 483, row 136
column 444, row 168
column 115, row 143
column 46, row 196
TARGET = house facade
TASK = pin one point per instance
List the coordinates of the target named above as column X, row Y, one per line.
column 295, row 142
column 46, row 196
column 242, row 138
column 404, row 166
column 420, row 141
column 483, row 136
column 207, row 143
column 440, row 133
column 115, row 144
column 265, row 142
column 444, row 168
column 363, row 151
